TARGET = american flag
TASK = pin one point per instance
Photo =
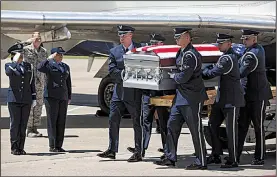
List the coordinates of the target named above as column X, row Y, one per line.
column 170, row 51
column 167, row 53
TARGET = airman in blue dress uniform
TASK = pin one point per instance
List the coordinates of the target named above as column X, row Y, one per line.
column 123, row 98
column 187, row 104
column 257, row 94
column 148, row 111
column 229, row 99
column 57, row 95
column 21, row 97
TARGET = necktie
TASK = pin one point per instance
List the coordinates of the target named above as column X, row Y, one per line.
column 126, row 50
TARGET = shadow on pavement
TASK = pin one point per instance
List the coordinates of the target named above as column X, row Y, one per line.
column 44, row 154
column 270, row 163
column 79, row 121
column 82, row 151
column 65, row 136
column 115, row 160
column 77, row 99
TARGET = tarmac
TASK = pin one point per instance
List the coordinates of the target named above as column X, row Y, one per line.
column 86, row 135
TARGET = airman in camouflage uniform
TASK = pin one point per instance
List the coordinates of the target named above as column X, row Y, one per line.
column 34, row 54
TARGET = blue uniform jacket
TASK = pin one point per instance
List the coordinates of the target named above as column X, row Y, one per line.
column 116, row 66
column 230, row 91
column 58, row 82
column 22, row 84
column 252, row 66
column 190, row 86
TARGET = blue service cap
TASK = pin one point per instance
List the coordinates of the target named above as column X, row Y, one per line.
column 180, row 30
column 59, row 50
column 221, row 38
column 123, row 29
column 246, row 33
column 16, row 48
column 156, row 37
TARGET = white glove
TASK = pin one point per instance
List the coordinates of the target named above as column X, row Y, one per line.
column 52, row 56
column 16, row 57
column 34, row 103
column 171, row 75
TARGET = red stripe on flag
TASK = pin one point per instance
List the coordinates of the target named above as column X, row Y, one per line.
column 165, row 50
column 175, row 49
column 145, row 48
column 206, row 48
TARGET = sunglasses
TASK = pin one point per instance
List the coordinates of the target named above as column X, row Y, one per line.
column 121, row 34
column 177, row 37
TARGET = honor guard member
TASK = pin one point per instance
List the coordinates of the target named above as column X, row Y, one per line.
column 21, row 97
column 229, row 99
column 156, row 39
column 148, row 111
column 187, row 104
column 123, row 98
column 34, row 53
column 57, row 94
column 257, row 94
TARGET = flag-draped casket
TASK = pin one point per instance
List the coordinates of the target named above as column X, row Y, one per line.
column 147, row 67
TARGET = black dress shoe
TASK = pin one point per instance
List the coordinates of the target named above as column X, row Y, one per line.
column 165, row 162
column 15, row 152
column 229, row 164
column 54, row 150
column 193, row 154
column 107, row 154
column 132, row 150
column 213, row 159
column 60, row 150
column 227, row 159
column 163, row 157
column 160, row 150
column 257, row 162
column 22, row 152
column 195, row 166
column 136, row 157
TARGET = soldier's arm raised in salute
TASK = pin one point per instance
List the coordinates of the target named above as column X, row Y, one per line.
column 223, row 65
column 10, row 69
column 43, row 66
column 188, row 66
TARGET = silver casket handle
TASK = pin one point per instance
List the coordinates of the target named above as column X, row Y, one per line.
column 124, row 78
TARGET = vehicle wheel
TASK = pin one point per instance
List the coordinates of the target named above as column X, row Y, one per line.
column 105, row 93
column 222, row 136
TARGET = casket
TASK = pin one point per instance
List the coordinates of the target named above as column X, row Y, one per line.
column 147, row 67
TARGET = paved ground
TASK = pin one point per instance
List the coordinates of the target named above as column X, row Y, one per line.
column 87, row 135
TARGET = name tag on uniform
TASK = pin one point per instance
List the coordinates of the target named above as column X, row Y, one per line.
column 55, row 70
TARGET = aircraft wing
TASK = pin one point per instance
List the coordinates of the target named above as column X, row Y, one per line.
column 206, row 19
